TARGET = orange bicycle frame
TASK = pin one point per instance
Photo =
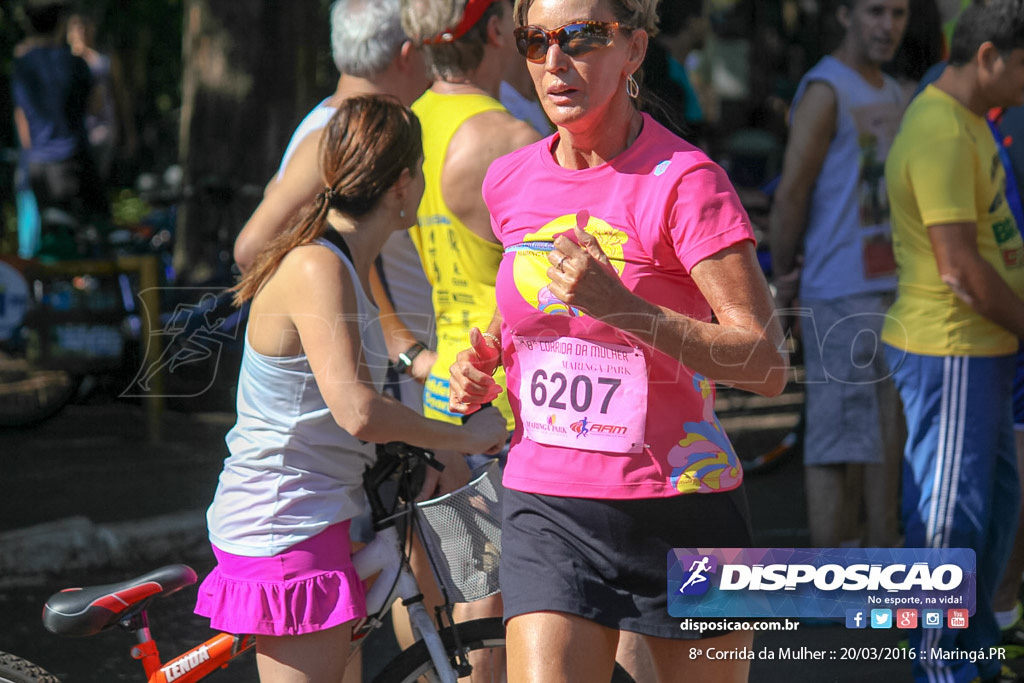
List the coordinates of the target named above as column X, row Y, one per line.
column 195, row 664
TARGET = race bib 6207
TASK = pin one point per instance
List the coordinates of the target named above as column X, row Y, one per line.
column 582, row 394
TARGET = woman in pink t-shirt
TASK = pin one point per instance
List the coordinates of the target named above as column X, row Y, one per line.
column 623, row 244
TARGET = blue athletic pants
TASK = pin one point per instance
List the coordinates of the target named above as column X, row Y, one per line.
column 960, row 486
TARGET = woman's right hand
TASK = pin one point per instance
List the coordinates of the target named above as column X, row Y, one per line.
column 471, row 384
column 485, row 432
column 456, row 473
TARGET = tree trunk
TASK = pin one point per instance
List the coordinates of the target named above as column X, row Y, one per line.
column 249, row 75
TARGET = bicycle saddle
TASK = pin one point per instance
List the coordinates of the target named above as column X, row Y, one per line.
column 87, row 611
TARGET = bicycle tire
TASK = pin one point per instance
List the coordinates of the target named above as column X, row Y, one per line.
column 17, row 670
column 29, row 396
column 477, row 635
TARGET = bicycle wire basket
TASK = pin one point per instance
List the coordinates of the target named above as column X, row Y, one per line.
column 463, row 536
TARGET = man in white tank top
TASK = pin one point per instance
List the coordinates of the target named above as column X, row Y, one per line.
column 831, row 208
column 374, row 56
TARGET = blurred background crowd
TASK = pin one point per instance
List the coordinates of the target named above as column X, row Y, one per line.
column 202, row 94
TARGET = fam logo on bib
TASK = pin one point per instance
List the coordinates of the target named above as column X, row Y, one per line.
column 584, row 428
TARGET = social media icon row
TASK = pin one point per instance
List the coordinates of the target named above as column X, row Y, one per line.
column 906, row 618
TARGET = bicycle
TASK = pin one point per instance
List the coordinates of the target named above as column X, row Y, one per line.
column 59, row 323
column 463, row 549
column 72, row 316
column 69, row 317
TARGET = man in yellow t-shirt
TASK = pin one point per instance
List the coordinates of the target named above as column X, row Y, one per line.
column 953, row 333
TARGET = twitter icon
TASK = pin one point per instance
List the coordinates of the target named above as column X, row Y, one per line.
column 881, row 618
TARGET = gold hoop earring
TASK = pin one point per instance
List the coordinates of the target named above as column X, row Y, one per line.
column 632, row 87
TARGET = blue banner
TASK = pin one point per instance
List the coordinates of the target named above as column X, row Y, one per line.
column 818, row 582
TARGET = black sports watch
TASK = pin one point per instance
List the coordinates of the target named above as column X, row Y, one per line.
column 405, row 358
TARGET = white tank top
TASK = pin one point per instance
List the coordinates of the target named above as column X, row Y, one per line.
column 316, row 119
column 292, row 471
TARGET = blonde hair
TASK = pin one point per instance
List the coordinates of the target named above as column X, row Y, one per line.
column 633, row 13
column 425, row 19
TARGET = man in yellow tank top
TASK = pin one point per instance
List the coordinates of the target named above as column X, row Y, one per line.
column 465, row 128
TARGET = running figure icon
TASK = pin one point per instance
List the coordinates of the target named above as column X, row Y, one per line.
column 195, row 332
column 583, row 428
column 697, row 570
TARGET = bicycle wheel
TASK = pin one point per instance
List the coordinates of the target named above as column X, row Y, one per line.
column 17, row 670
column 478, row 636
column 29, row 396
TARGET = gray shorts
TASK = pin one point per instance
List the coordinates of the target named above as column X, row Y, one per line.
column 848, row 388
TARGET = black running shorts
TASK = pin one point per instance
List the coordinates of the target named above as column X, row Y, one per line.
column 606, row 560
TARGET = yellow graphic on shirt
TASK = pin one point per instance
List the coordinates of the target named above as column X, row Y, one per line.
column 530, row 268
column 704, row 461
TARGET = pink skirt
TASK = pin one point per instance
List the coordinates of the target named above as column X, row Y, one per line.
column 310, row 587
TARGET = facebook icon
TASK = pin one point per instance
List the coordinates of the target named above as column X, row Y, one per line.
column 856, row 618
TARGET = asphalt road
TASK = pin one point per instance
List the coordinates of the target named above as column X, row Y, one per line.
column 96, row 462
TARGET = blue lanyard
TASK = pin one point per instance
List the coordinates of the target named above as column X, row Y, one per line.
column 1012, row 189
column 531, row 246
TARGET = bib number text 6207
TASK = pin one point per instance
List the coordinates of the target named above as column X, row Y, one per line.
column 553, row 391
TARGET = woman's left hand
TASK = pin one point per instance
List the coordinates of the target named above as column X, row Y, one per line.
column 582, row 276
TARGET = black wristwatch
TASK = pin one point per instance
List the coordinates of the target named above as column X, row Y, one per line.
column 405, row 358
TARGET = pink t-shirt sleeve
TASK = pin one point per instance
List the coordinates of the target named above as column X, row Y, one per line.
column 706, row 215
column 497, row 188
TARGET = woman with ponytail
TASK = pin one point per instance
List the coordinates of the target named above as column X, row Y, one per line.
column 310, row 408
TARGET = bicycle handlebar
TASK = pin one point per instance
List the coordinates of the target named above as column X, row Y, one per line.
column 405, row 460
